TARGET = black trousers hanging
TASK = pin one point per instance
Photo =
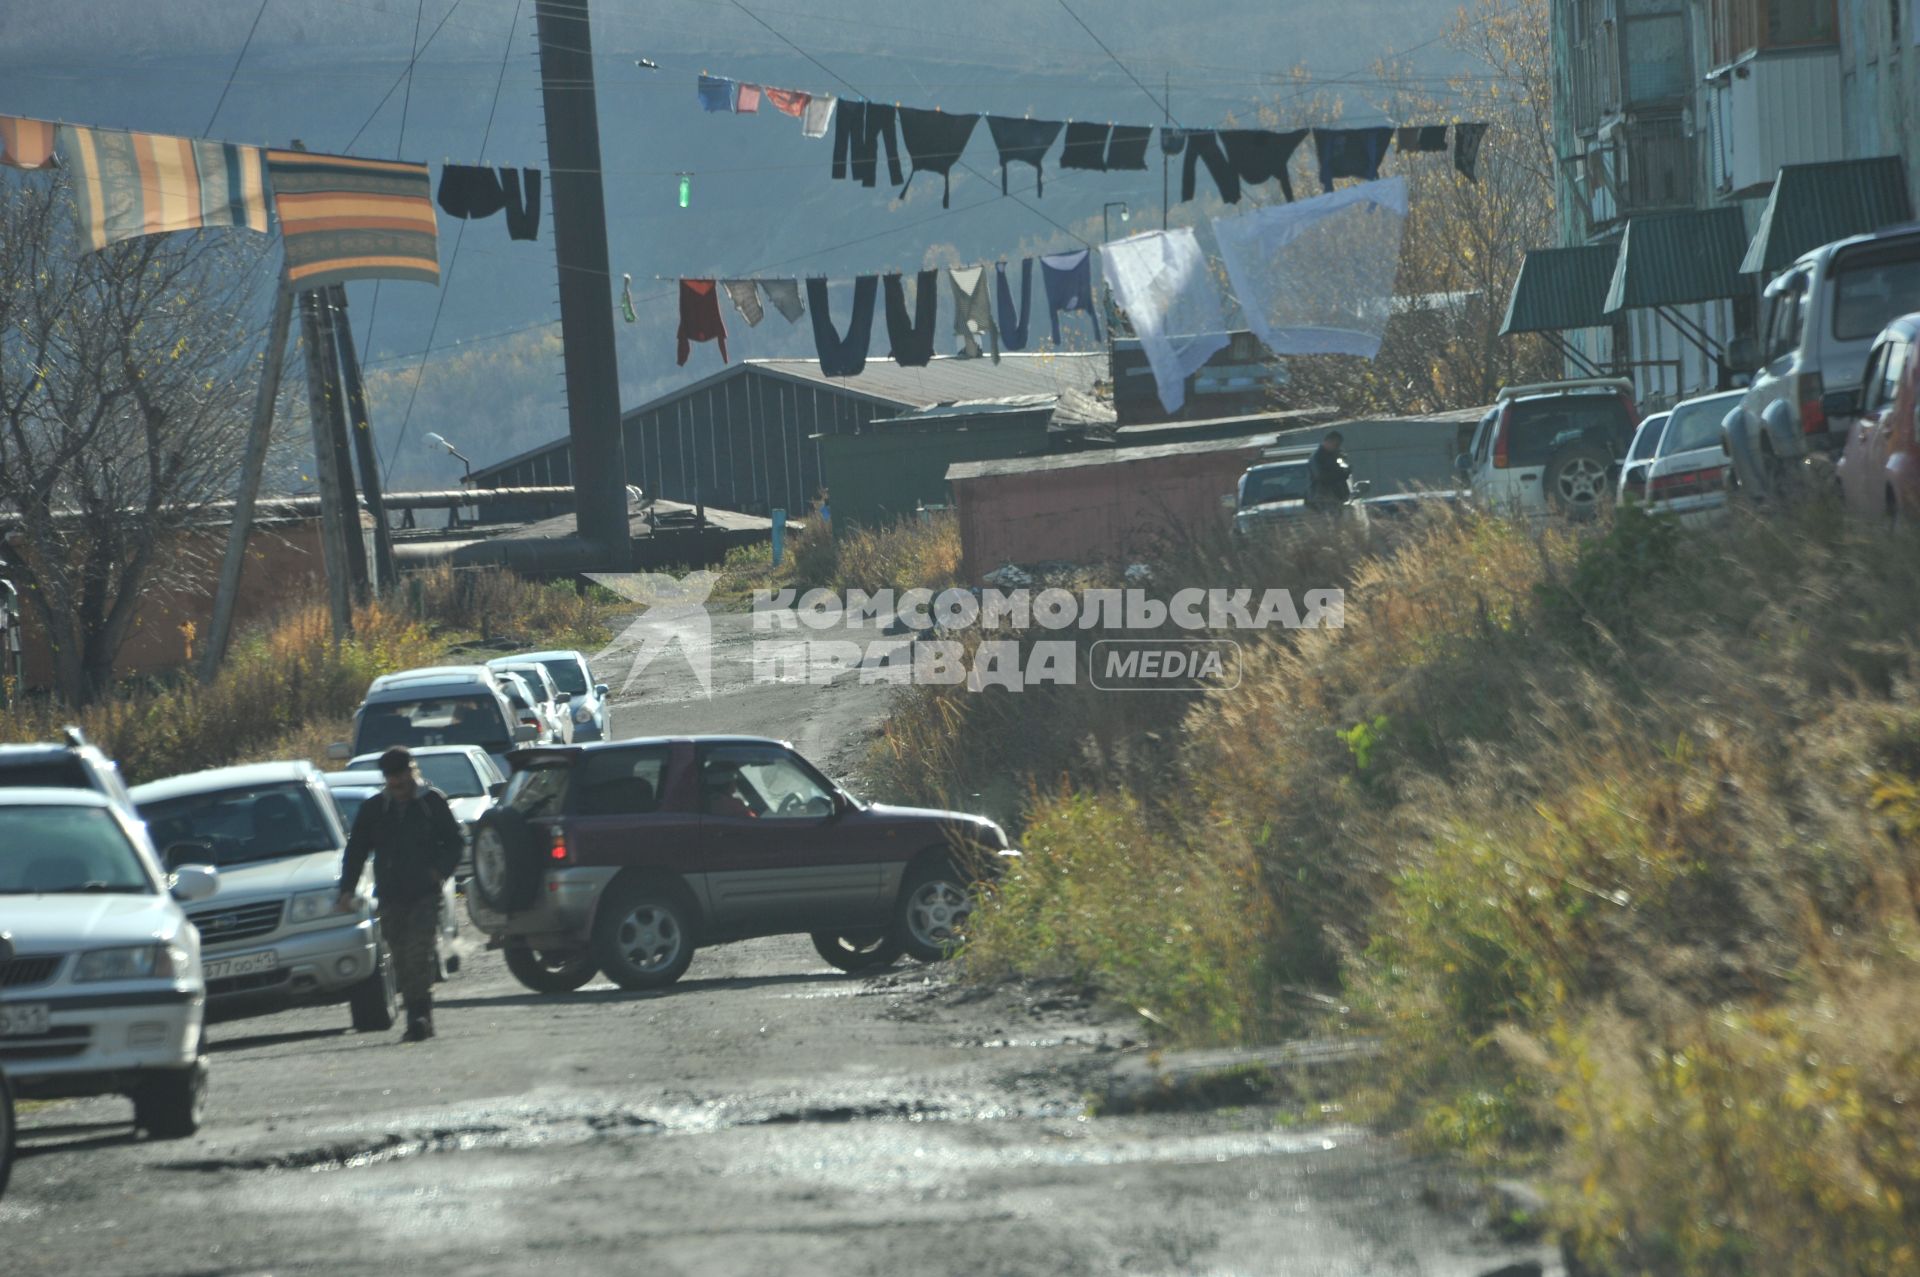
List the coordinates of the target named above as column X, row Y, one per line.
column 843, row 356
column 912, row 336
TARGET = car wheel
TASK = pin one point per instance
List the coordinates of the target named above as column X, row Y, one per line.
column 643, row 934
column 857, row 951
column 1576, row 481
column 6, row 1131
column 170, row 1104
column 375, row 1001
column 546, row 972
column 506, row 866
column 930, row 920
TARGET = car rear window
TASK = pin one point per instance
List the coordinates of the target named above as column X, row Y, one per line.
column 1537, row 427
column 1281, row 483
column 1647, row 439
column 1695, row 425
column 452, row 774
column 443, row 720
column 539, row 789
column 1874, row 286
column 53, row 773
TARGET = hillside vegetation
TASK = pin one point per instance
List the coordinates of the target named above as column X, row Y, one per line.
column 1614, row 839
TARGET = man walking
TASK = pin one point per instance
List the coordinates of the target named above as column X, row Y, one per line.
column 415, row 843
column 1327, row 473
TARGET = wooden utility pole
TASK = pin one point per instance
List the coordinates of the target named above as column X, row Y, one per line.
column 361, row 427
column 356, row 544
column 252, row 463
column 326, row 461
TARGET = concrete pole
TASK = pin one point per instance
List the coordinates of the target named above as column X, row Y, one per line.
column 371, row 486
column 326, row 461
column 355, row 542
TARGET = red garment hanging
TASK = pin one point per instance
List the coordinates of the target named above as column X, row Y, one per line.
column 700, row 316
column 788, row 101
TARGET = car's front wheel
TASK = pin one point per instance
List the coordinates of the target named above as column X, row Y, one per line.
column 375, row 1001
column 170, row 1103
column 643, row 934
column 545, row 972
column 857, row 951
column 930, row 920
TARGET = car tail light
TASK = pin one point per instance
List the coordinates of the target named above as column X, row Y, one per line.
column 558, row 853
column 1687, row 483
column 1500, row 460
column 1813, row 415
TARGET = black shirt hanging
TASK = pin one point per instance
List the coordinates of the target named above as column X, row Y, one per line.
column 1023, row 142
column 934, row 142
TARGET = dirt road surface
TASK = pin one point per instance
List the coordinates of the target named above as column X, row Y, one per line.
column 766, row 1115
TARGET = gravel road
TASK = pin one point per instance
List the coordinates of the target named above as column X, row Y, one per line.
column 766, row 1115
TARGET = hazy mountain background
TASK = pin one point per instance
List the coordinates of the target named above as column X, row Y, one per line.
column 332, row 73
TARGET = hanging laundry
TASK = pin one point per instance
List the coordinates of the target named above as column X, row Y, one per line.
column 700, row 317
column 1069, row 281
column 1317, row 277
column 1203, row 147
column 1466, row 148
column 26, row 143
column 523, row 206
column 345, row 218
column 788, row 101
column 934, row 142
column 1160, row 278
column 843, row 356
column 746, row 300
column 1127, row 149
column 818, row 117
column 1351, row 152
column 130, row 184
column 1013, row 323
column 1086, row 147
column 1261, row 155
column 717, row 94
column 626, row 298
column 973, row 311
column 1421, row 137
column 1023, row 142
column 859, row 131
column 912, row 336
column 784, row 296
column 469, row 191
column 746, row 101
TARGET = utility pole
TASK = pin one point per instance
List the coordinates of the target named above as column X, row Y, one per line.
column 371, row 484
column 252, row 463
column 1166, row 156
column 357, row 575
column 326, row 461
column 586, row 288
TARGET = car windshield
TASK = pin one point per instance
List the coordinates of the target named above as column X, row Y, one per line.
column 350, row 801
column 1275, row 483
column 242, row 826
column 539, row 790
column 532, row 674
column 67, row 849
column 1647, row 439
column 1874, row 287
column 452, row 774
column 568, row 674
column 448, row 720
column 1539, row 426
column 1696, row 425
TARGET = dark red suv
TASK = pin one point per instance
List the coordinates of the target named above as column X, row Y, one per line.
column 626, row 856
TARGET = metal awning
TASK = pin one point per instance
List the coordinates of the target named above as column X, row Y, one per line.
column 1560, row 289
column 1673, row 259
column 1815, row 204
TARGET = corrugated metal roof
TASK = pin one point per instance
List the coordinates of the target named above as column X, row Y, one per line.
column 1671, row 259
column 951, row 380
column 1815, row 204
column 1561, row 288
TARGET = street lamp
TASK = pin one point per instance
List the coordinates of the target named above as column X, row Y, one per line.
column 441, row 441
column 1106, row 234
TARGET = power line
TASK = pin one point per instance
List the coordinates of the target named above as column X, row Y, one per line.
column 1164, row 108
column 406, row 104
column 398, row 79
column 245, row 45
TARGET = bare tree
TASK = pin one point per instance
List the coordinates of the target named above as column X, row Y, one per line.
column 125, row 378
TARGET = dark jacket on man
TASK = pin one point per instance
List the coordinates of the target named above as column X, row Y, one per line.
column 414, row 843
column 1328, row 471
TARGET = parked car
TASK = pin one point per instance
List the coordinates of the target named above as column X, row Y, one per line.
column 71, row 764
column 592, row 719
column 1276, row 492
column 528, row 710
column 351, row 788
column 1820, row 318
column 103, row 993
column 1639, row 459
column 1551, row 448
column 273, row 936
column 1880, row 463
column 554, row 705
column 444, row 705
column 625, row 857
column 1688, row 478
column 350, row 791
column 466, row 774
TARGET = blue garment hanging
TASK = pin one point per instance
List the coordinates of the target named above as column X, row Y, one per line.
column 843, row 356
column 717, row 94
column 1013, row 324
column 1069, row 281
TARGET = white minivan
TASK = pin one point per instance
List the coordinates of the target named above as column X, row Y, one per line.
column 103, row 992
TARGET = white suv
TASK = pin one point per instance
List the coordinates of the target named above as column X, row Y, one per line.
column 1551, row 448
column 1821, row 316
column 103, row 993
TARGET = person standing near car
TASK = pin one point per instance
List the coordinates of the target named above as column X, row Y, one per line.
column 1327, row 472
column 415, row 842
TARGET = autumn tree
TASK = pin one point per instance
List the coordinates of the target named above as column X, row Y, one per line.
column 125, row 381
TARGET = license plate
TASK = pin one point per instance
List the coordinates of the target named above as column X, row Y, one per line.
column 22, row 1020
column 251, row 964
